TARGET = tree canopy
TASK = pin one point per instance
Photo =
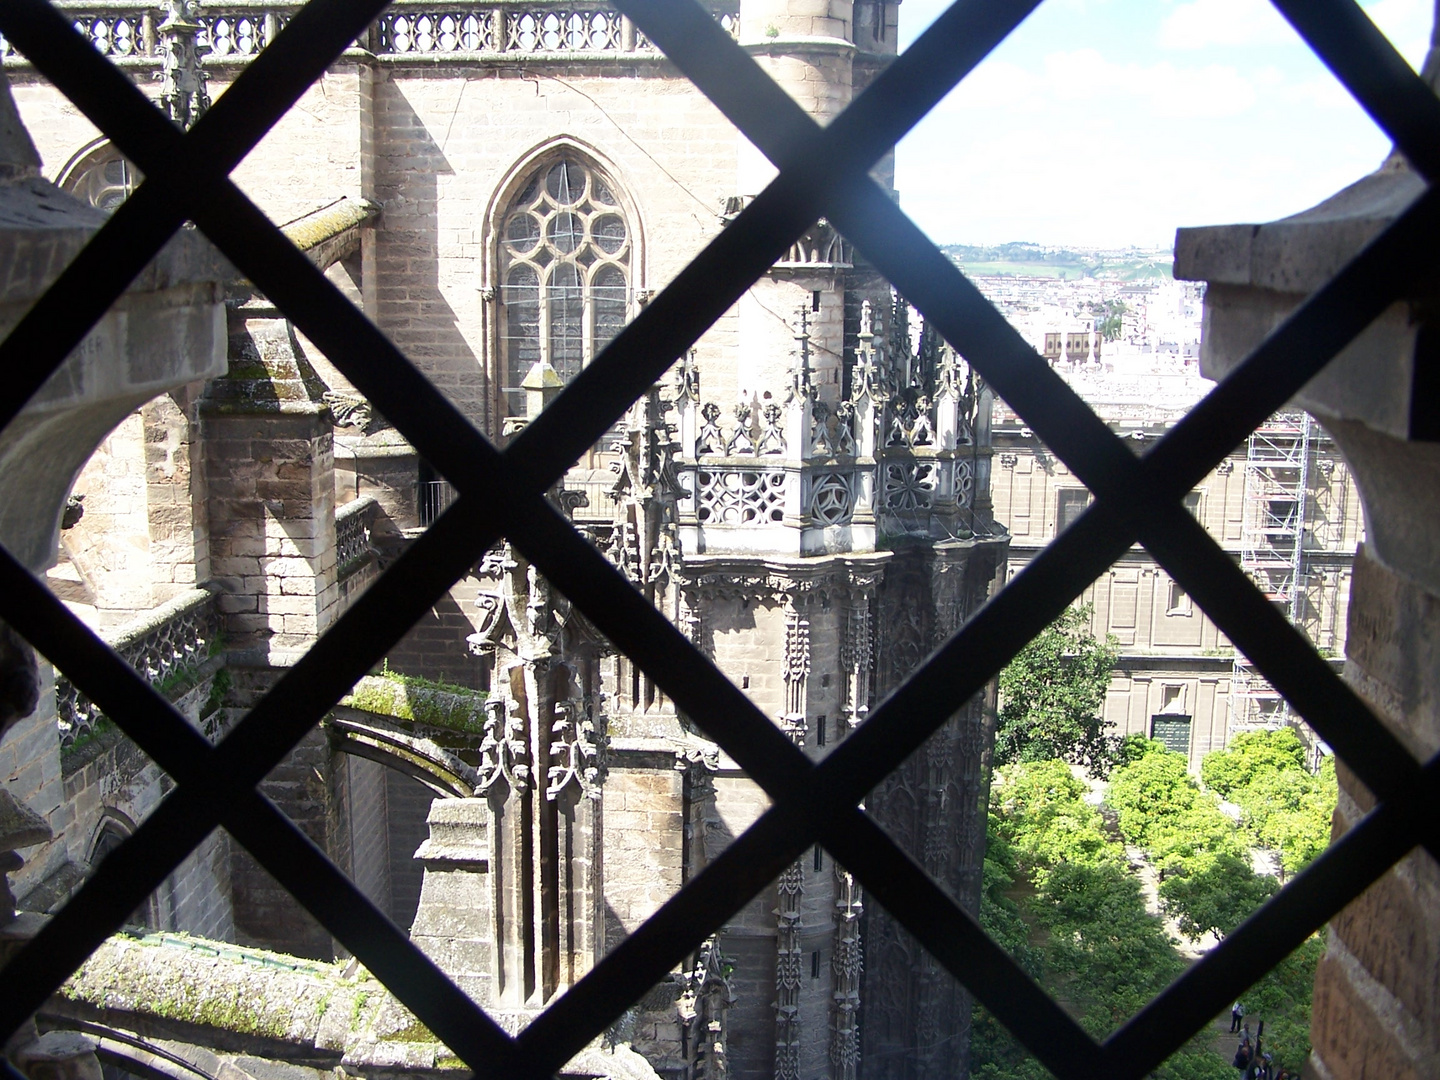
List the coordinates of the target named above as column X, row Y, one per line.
column 1052, row 695
column 1284, row 806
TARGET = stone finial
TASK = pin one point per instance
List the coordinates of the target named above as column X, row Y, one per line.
column 18, row 156
column 19, row 827
column 542, row 385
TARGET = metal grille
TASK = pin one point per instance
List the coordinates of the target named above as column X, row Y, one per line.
column 821, row 172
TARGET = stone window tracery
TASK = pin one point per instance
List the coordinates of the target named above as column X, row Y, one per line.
column 101, row 176
column 565, row 265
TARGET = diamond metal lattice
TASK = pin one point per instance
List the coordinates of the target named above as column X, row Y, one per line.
column 821, row 172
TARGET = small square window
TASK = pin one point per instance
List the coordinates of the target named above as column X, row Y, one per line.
column 1178, row 601
column 1172, row 698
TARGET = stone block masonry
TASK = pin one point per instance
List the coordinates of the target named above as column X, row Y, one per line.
column 272, row 526
column 1376, row 1010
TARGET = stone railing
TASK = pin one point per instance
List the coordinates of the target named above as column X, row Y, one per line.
column 125, row 30
column 353, row 523
column 165, row 647
column 236, row 30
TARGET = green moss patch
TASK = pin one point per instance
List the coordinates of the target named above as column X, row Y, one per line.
column 409, row 697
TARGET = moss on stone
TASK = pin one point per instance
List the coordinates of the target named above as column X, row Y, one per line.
column 330, row 221
column 394, row 1023
column 357, row 1009
column 409, row 697
column 171, row 977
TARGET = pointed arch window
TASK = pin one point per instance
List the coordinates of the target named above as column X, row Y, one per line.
column 565, row 262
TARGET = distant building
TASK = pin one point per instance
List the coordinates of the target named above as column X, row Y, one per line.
column 1284, row 504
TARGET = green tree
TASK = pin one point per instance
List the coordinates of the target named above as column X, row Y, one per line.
column 1163, row 810
column 1051, row 697
column 1283, row 805
column 1214, row 895
column 1041, row 815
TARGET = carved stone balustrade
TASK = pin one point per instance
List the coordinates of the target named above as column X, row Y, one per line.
column 167, row 645
column 813, row 477
column 234, row 31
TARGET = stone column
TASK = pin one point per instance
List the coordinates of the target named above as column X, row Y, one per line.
column 806, row 46
column 270, row 466
column 1376, row 1009
column 271, row 470
column 455, row 922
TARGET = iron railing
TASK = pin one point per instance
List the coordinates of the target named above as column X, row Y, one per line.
column 822, row 172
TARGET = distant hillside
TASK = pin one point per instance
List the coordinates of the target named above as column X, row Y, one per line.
column 1021, row 259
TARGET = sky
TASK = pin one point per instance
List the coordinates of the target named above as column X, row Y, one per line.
column 1112, row 122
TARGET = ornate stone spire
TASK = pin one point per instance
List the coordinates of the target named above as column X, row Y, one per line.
column 182, row 74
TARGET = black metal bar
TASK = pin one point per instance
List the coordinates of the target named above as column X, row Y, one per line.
column 177, row 747
column 813, row 161
column 1259, row 630
column 953, row 938
column 347, row 651
column 899, row 725
column 823, row 795
column 891, row 242
column 1277, row 368
column 142, row 224
column 1362, row 58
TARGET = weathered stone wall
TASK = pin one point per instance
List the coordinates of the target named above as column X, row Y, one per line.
column 30, row 765
column 367, row 810
column 272, row 522
column 407, row 802
column 176, row 493
column 644, row 808
column 447, row 149
column 111, row 785
column 110, row 545
column 266, row 916
column 1376, row 1010
column 435, row 647
column 143, row 537
column 455, row 923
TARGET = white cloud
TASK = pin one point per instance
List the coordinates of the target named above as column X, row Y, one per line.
column 1323, row 91
column 1198, row 24
column 1226, row 22
column 1406, row 23
column 1084, row 76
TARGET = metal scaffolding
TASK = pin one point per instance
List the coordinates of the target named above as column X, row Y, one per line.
column 1272, row 548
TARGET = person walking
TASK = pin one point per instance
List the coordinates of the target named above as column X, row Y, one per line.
column 1237, row 1013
